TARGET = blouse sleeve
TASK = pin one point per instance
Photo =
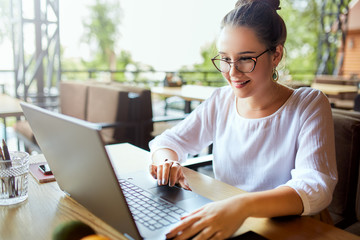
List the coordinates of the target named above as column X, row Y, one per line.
column 191, row 135
column 315, row 174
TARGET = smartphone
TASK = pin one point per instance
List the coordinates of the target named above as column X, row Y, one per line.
column 45, row 169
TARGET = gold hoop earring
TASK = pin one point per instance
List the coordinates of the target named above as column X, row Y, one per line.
column 275, row 75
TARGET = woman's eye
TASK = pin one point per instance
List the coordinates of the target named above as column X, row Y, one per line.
column 226, row 59
column 245, row 59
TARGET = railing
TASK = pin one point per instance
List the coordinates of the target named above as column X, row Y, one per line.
column 146, row 77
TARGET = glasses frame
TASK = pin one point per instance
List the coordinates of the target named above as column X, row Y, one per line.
column 254, row 59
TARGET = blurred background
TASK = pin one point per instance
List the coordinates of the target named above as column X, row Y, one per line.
column 139, row 40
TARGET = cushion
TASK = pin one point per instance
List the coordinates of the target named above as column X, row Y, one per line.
column 107, row 105
column 73, row 96
column 354, row 229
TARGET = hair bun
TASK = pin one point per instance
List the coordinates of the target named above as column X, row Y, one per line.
column 274, row 4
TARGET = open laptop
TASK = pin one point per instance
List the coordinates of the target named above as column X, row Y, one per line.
column 78, row 159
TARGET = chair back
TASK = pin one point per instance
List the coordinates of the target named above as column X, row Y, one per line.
column 140, row 112
column 111, row 103
column 73, row 99
column 357, row 103
column 108, row 105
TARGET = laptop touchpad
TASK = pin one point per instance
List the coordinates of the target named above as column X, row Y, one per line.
column 171, row 194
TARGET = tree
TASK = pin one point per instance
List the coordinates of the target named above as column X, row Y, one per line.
column 101, row 31
column 210, row 74
column 300, row 60
column 4, row 20
column 302, row 22
column 301, row 44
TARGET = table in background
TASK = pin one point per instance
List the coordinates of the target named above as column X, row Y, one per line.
column 9, row 107
column 187, row 92
column 47, row 206
column 340, row 96
column 335, row 89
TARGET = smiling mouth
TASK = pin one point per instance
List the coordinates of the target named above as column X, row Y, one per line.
column 240, row 84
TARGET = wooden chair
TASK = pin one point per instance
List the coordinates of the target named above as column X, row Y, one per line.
column 124, row 112
column 90, row 102
column 73, row 100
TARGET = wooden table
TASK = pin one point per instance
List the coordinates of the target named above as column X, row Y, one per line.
column 9, row 107
column 334, row 89
column 47, row 206
column 187, row 92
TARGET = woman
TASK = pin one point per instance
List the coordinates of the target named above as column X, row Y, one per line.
column 270, row 140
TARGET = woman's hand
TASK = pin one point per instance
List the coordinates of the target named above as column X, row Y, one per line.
column 219, row 220
column 216, row 220
column 169, row 173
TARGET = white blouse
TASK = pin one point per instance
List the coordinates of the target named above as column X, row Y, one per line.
column 292, row 147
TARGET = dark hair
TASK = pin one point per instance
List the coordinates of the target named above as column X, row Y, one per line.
column 260, row 16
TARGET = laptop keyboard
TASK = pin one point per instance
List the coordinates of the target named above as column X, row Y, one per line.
column 152, row 212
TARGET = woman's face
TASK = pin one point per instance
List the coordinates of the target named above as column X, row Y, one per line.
column 241, row 42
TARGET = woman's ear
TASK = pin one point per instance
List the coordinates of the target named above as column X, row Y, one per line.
column 277, row 55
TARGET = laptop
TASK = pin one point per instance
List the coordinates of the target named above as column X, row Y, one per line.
column 78, row 159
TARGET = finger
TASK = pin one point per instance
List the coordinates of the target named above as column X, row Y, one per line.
column 160, row 174
column 218, row 235
column 196, row 227
column 192, row 213
column 207, row 233
column 184, row 184
column 174, row 173
column 153, row 169
column 166, row 172
column 180, row 228
column 180, row 178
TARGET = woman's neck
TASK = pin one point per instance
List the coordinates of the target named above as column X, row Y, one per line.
column 263, row 104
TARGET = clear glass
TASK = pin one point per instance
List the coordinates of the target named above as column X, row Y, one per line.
column 14, row 178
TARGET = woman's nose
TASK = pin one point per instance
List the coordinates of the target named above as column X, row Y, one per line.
column 233, row 71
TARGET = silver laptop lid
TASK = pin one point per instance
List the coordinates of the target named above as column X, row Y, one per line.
column 75, row 152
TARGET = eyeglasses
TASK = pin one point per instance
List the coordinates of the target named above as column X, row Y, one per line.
column 243, row 64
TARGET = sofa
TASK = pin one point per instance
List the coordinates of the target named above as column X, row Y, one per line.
column 345, row 206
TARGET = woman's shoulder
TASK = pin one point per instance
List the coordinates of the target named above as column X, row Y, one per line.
column 307, row 100
column 307, row 95
column 307, row 91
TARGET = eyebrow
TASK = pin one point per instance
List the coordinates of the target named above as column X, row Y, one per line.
column 239, row 53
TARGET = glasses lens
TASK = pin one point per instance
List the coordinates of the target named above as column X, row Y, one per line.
column 242, row 65
column 245, row 65
column 221, row 65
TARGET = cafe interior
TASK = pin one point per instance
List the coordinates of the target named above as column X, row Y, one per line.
column 130, row 114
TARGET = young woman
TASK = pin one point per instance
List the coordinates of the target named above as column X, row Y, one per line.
column 275, row 142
